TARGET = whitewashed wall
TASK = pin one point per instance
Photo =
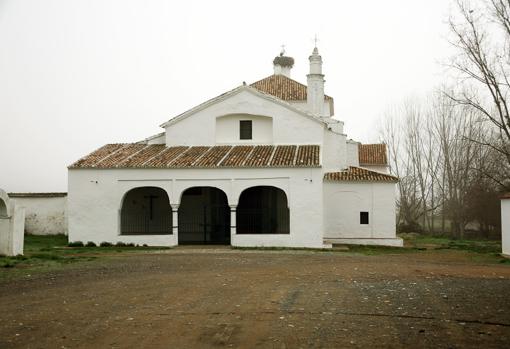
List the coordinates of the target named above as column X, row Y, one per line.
column 352, row 154
column 95, row 198
column 45, row 214
column 289, row 126
column 343, row 202
column 157, row 139
column 227, row 129
column 377, row 168
column 505, row 226
column 12, row 222
column 334, row 151
column 327, row 109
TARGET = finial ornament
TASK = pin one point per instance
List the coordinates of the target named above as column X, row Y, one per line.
column 282, row 52
column 315, row 41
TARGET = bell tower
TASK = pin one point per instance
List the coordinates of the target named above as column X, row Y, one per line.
column 315, row 80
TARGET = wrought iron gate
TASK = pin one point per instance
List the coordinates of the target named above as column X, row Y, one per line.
column 208, row 225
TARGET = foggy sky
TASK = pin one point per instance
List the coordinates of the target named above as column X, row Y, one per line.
column 75, row 75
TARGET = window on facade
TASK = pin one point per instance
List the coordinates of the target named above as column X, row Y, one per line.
column 245, row 129
column 363, row 218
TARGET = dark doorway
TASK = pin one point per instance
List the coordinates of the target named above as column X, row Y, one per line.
column 146, row 211
column 204, row 216
column 263, row 210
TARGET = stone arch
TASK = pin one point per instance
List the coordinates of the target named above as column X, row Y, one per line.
column 4, row 204
column 263, row 210
column 145, row 211
column 204, row 216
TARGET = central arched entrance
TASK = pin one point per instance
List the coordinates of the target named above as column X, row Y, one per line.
column 204, row 216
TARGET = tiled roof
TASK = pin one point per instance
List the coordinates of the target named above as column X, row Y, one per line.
column 357, row 174
column 37, row 195
column 283, row 87
column 372, row 154
column 136, row 155
column 505, row 196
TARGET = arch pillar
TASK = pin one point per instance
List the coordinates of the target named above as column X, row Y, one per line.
column 12, row 226
column 233, row 214
column 175, row 220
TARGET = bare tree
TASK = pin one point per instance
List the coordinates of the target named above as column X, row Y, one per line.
column 481, row 35
column 439, row 167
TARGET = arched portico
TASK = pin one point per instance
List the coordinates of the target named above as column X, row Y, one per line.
column 204, row 216
column 146, row 211
column 263, row 210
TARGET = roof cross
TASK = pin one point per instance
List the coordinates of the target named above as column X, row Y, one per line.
column 315, row 40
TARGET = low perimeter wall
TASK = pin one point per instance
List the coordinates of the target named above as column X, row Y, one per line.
column 45, row 213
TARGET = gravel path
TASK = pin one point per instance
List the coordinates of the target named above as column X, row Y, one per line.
column 200, row 298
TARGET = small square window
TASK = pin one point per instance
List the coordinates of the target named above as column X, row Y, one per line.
column 363, row 218
column 245, row 129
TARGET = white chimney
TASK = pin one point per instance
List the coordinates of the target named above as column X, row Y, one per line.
column 283, row 64
column 281, row 70
column 315, row 94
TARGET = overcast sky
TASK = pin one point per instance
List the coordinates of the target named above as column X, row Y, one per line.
column 75, row 75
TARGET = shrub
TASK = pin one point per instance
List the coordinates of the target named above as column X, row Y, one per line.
column 105, row 244
column 130, row 244
column 120, row 244
column 411, row 227
column 7, row 264
column 75, row 244
column 91, row 244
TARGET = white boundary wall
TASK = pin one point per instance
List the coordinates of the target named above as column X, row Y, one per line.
column 45, row 213
column 505, row 226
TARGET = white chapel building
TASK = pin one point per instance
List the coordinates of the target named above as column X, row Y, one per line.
column 264, row 164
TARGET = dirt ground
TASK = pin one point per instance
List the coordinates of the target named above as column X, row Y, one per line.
column 201, row 298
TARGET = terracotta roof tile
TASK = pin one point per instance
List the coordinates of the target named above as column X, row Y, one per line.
column 284, row 88
column 372, row 154
column 166, row 157
column 284, row 155
column 158, row 156
column 357, row 174
column 237, row 156
column 120, row 155
column 189, row 157
column 308, row 155
column 37, row 195
column 505, row 196
column 260, row 156
column 143, row 156
column 94, row 157
column 213, row 156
